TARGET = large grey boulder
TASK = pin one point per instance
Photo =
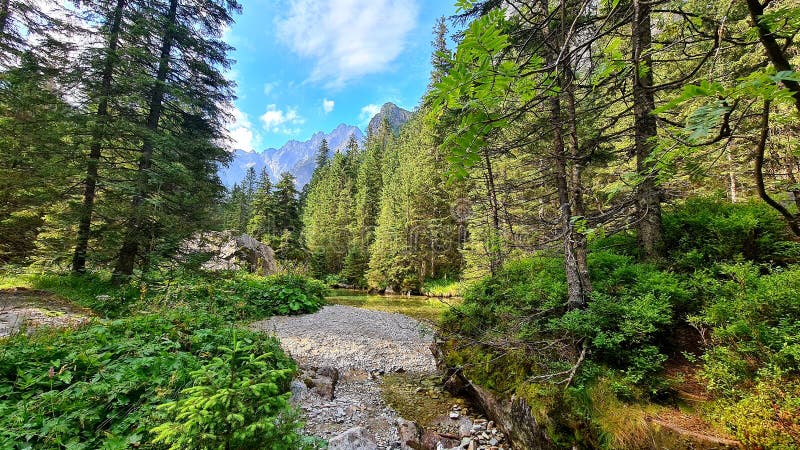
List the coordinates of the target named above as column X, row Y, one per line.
column 357, row 438
column 229, row 250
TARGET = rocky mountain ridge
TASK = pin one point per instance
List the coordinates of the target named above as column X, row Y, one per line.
column 299, row 157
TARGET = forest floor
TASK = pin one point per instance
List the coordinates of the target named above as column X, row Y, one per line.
column 22, row 308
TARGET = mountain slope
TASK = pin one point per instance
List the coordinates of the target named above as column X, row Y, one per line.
column 299, row 157
column 295, row 157
column 395, row 115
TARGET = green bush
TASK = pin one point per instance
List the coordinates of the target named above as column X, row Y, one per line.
column 100, row 386
column 705, row 230
column 754, row 322
column 239, row 400
column 276, row 294
column 624, row 324
column 240, row 296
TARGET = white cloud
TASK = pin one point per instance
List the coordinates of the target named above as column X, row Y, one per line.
column 327, row 105
column 348, row 38
column 240, row 131
column 368, row 112
column 277, row 120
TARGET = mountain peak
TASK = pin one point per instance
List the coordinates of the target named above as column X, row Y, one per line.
column 294, row 156
column 395, row 115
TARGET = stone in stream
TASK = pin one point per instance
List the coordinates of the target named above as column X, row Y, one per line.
column 357, row 438
column 322, row 381
column 433, row 440
column 410, row 434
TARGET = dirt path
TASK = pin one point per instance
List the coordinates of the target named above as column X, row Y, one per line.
column 26, row 308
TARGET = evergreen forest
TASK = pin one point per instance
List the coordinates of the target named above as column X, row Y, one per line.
column 601, row 198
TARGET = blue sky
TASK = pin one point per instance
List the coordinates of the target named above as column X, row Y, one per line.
column 308, row 65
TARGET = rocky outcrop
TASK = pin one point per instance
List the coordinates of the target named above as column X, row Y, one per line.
column 392, row 114
column 357, row 438
column 228, row 250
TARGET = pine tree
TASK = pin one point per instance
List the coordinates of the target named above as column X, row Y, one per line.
column 188, row 58
column 262, row 224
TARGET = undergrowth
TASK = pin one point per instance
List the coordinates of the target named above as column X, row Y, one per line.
column 730, row 273
column 115, row 384
column 168, row 368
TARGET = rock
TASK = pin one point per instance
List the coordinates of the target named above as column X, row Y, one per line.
column 454, row 415
column 410, row 435
column 357, row 438
column 431, row 440
column 228, row 250
column 330, row 372
column 298, row 388
column 322, row 381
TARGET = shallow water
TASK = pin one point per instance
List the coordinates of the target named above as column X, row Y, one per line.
column 426, row 309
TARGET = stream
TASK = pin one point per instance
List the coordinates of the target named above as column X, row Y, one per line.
column 386, row 375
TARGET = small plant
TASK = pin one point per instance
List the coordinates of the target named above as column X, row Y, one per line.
column 239, row 400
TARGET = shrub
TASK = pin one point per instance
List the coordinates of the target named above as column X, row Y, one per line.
column 766, row 416
column 100, row 386
column 239, row 400
column 276, row 294
column 754, row 322
column 706, row 230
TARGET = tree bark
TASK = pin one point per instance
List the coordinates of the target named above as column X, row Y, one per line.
column 776, row 55
column 5, row 6
column 126, row 258
column 648, row 199
column 95, row 153
column 579, row 243
column 576, row 296
column 793, row 221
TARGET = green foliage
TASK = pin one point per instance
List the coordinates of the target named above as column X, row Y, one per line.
column 245, row 297
column 702, row 231
column 82, row 289
column 232, row 296
column 623, row 325
column 238, row 400
column 754, row 323
column 100, row 386
column 766, row 416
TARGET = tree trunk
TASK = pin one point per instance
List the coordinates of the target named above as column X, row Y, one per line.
column 791, row 164
column 793, row 220
column 776, row 55
column 95, row 153
column 131, row 244
column 648, row 202
column 4, row 13
column 732, row 177
column 579, row 242
column 575, row 290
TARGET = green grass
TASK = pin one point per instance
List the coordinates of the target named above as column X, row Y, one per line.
column 443, row 288
column 82, row 290
column 420, row 308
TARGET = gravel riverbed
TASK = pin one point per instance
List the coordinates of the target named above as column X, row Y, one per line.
column 362, row 345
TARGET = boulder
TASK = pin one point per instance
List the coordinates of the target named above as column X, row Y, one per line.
column 432, row 440
column 229, row 250
column 322, row 381
column 410, row 435
column 357, row 438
